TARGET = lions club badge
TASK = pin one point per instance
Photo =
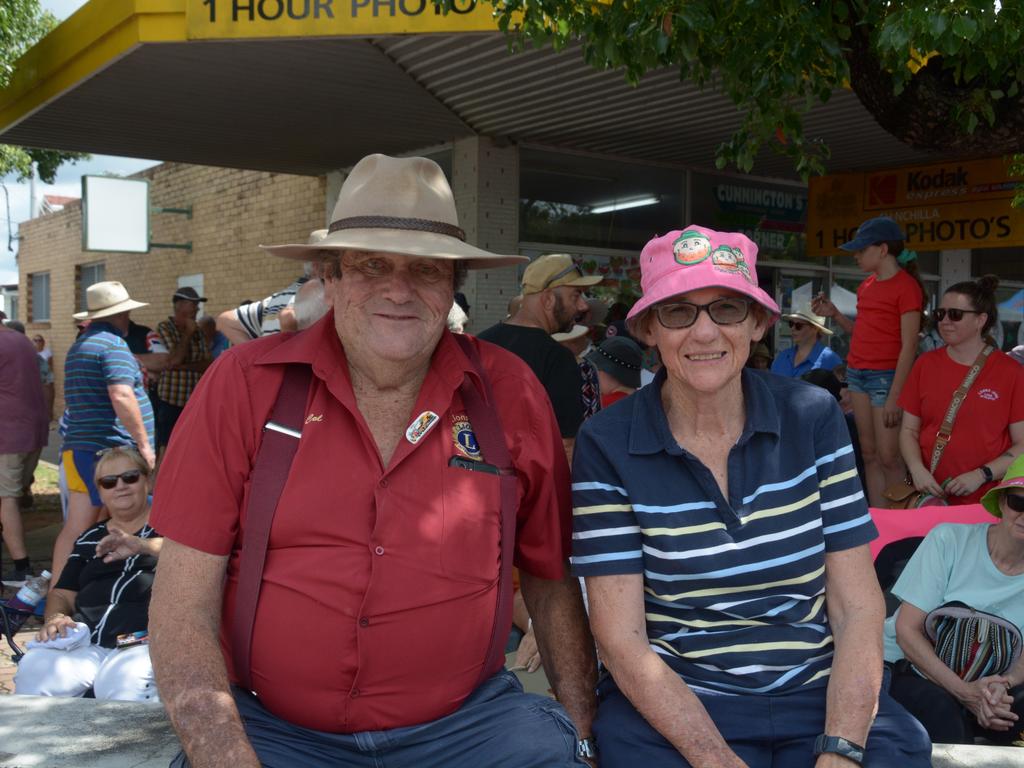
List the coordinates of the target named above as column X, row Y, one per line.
column 464, row 439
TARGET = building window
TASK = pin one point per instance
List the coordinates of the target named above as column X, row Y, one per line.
column 88, row 274
column 39, row 297
column 567, row 199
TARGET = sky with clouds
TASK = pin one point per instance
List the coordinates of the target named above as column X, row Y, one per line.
column 68, row 181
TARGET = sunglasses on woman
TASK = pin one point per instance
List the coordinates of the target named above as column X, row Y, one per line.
column 683, row 314
column 956, row 315
column 795, row 325
column 1014, row 501
column 131, row 477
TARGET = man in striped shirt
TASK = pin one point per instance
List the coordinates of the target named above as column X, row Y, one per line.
column 106, row 406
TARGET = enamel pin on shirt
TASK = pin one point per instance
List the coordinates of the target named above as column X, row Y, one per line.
column 420, row 426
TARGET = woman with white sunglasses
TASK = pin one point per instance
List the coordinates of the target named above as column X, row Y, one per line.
column 94, row 630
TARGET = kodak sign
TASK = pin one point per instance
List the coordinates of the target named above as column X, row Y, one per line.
column 941, row 206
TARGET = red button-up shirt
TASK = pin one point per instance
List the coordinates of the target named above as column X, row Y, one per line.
column 379, row 591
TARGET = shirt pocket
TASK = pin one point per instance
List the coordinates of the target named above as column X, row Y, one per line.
column 470, row 548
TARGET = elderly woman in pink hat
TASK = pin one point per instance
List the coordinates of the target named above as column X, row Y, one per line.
column 723, row 534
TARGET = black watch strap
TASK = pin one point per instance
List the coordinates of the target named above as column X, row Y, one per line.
column 839, row 746
column 986, row 470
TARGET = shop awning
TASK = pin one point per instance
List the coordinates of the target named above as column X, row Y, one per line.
column 281, row 85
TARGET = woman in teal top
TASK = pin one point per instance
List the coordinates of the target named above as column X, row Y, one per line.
column 982, row 566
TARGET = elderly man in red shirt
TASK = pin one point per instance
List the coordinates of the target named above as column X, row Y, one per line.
column 375, row 634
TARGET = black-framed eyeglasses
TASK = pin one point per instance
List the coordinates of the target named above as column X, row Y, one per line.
column 796, row 325
column 130, row 477
column 1014, row 501
column 683, row 314
column 956, row 315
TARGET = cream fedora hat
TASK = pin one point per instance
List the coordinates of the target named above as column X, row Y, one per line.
column 397, row 205
column 106, row 299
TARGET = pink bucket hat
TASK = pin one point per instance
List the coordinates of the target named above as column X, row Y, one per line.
column 693, row 258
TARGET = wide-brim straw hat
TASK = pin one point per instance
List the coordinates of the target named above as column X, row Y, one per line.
column 806, row 316
column 106, row 299
column 400, row 205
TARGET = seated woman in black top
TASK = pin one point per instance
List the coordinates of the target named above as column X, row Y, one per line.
column 103, row 594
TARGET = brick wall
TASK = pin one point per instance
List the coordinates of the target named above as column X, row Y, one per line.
column 485, row 182
column 233, row 212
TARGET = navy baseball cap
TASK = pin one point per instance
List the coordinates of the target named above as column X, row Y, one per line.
column 878, row 230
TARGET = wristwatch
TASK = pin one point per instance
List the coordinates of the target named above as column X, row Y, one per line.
column 986, row 470
column 586, row 748
column 839, row 746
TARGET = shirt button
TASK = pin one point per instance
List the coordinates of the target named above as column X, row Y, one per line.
column 355, row 693
column 383, row 482
column 364, row 622
column 379, row 550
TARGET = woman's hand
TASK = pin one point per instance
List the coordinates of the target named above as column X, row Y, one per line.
column 965, row 484
column 55, row 626
column 528, row 654
column 925, row 482
column 891, row 413
column 823, row 307
column 989, row 701
column 118, row 545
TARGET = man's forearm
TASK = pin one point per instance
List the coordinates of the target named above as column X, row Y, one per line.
column 190, row 672
column 856, row 677
column 566, row 645
column 127, row 409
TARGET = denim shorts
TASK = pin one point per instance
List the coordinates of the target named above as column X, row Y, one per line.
column 875, row 384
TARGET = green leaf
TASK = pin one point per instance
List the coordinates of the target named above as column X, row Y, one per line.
column 965, row 27
column 937, row 23
column 972, row 122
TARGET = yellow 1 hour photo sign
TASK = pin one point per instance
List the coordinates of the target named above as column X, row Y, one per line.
column 241, row 19
column 940, row 207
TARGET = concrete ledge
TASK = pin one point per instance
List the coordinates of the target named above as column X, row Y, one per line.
column 961, row 756
column 43, row 732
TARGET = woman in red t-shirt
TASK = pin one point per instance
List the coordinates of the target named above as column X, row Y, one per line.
column 882, row 347
column 988, row 431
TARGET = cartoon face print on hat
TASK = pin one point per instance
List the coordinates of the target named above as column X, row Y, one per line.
column 691, row 247
column 730, row 260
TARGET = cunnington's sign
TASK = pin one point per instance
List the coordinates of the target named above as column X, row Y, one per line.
column 233, row 19
column 940, row 207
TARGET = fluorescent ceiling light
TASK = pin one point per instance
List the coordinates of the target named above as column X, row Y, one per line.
column 621, row 205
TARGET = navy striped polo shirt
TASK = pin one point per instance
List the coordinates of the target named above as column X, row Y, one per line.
column 98, row 358
column 734, row 588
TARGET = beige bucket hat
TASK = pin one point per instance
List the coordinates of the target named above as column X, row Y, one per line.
column 397, row 205
column 106, row 299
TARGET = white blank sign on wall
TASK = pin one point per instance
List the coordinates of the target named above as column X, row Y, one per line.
column 115, row 214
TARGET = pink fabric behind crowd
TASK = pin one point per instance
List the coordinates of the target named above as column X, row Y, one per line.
column 896, row 524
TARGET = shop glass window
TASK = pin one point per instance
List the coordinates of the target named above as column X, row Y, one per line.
column 568, row 199
column 1007, row 263
column 1009, row 331
column 89, row 274
column 772, row 215
column 39, row 284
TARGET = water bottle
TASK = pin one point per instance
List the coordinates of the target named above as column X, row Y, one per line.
column 32, row 592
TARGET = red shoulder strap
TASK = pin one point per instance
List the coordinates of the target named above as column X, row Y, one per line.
column 273, row 462
column 483, row 415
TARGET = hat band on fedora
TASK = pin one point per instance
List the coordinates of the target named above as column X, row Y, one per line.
column 395, row 222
